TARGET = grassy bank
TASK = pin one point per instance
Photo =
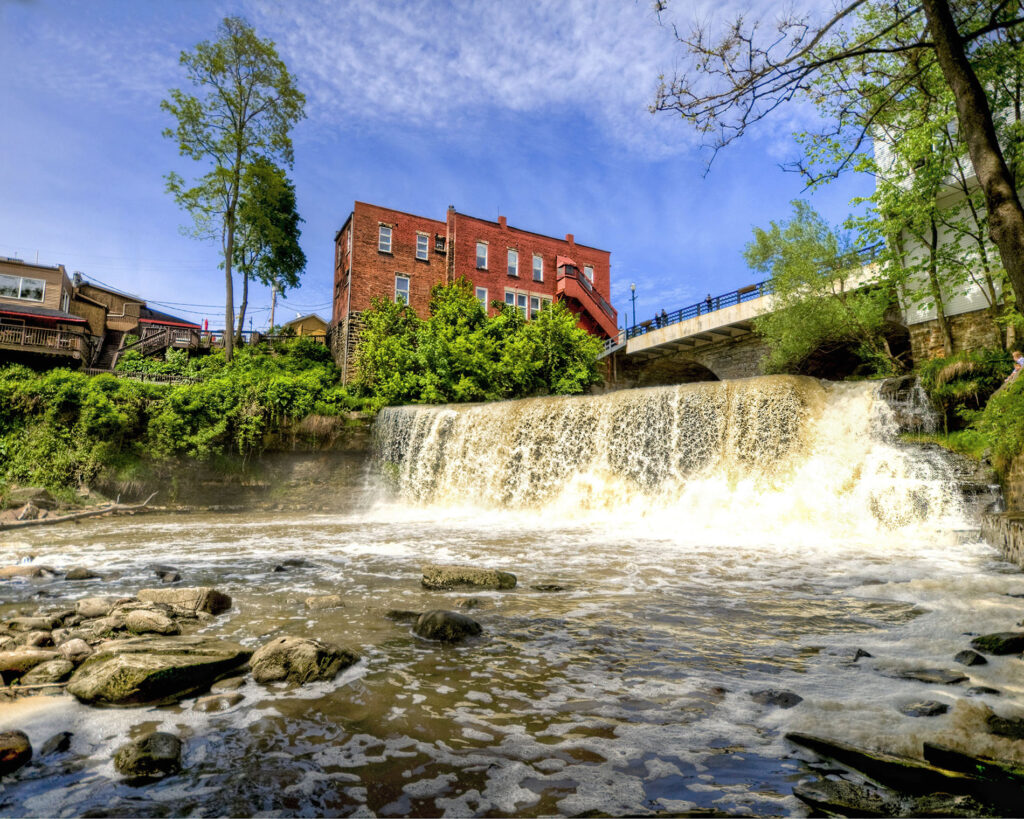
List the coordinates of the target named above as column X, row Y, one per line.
column 64, row 430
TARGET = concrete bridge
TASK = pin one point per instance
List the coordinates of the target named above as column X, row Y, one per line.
column 707, row 341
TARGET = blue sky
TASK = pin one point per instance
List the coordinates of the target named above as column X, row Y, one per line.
column 535, row 110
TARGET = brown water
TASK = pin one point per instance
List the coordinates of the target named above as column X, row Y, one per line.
column 627, row 692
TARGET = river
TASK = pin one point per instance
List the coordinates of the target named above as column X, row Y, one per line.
column 733, row 538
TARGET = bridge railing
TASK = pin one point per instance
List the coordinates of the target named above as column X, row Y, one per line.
column 701, row 308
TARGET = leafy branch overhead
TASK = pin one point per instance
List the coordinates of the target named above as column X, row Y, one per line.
column 240, row 119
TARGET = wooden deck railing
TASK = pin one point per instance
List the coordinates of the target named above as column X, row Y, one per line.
column 42, row 339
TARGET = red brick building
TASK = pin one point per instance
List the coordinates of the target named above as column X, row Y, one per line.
column 384, row 253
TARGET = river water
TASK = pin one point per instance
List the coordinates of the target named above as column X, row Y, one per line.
column 734, row 538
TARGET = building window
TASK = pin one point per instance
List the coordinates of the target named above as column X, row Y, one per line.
column 65, row 301
column 401, row 289
column 20, row 287
column 521, row 302
column 384, row 239
column 422, row 242
column 538, row 268
column 349, row 240
column 481, row 255
column 439, row 244
column 481, row 295
column 588, row 271
column 513, row 262
column 510, row 298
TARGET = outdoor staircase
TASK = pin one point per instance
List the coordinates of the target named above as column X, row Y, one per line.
column 111, row 349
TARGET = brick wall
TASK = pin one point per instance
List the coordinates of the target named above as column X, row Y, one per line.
column 970, row 331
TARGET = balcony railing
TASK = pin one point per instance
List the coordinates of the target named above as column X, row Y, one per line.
column 569, row 272
column 41, row 339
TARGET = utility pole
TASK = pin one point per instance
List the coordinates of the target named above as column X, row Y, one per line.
column 632, row 297
column 273, row 304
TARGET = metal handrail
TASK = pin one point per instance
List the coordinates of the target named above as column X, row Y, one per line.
column 702, row 308
column 28, row 336
column 569, row 272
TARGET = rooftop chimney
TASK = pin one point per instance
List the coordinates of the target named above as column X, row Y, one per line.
column 569, row 238
column 502, row 222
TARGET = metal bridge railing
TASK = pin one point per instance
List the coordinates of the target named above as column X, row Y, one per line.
column 701, row 308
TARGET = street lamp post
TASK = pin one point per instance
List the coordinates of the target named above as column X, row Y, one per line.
column 632, row 297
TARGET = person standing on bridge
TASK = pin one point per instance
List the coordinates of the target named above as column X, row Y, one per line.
column 708, row 302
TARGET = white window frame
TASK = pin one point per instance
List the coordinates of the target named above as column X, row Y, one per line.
column 538, row 267
column 348, row 240
column 523, row 304
column 482, row 299
column 510, row 298
column 65, row 301
column 588, row 271
column 422, row 246
column 481, row 246
column 21, row 287
column 513, row 262
column 408, row 288
column 384, row 232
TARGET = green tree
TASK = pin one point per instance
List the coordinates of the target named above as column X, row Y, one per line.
column 735, row 80
column 267, row 248
column 245, row 112
column 822, row 302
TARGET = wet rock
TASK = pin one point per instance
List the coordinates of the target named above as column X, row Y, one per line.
column 57, row 744
column 8, row 643
column 446, row 626
column 107, row 627
column 297, row 563
column 838, row 797
column 142, row 621
column 151, row 670
column 326, row 601
column 89, row 608
column 76, row 650
column 968, row 657
column 776, row 697
column 451, row 577
column 279, row 568
column 39, row 639
column 218, row 702
column 33, row 623
column 1001, row 642
column 80, row 573
column 934, row 676
column 981, row 690
column 1011, row 727
column 470, row 603
column 13, row 664
column 155, row 755
column 23, row 570
column 228, row 684
column 166, row 574
column 402, row 615
column 549, row 587
column 195, row 599
column 15, row 751
column 299, row 660
column 923, row 708
column 52, row 671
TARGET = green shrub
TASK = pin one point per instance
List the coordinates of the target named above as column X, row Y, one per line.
column 962, row 383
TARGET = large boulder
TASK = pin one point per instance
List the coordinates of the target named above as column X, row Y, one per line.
column 90, row 607
column 446, row 626
column 142, row 621
column 52, row 671
column 194, row 599
column 15, row 751
column 80, row 573
column 453, row 577
column 299, row 660
column 1001, row 642
column 13, row 664
column 154, row 755
column 33, row 623
column 76, row 650
column 152, row 670
column 24, row 570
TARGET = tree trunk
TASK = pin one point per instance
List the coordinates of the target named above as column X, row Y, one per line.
column 933, row 280
column 1006, row 216
column 229, row 304
column 243, row 307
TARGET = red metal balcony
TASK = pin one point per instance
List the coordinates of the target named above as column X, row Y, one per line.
column 571, row 284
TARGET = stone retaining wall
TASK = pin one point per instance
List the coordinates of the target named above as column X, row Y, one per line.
column 1006, row 532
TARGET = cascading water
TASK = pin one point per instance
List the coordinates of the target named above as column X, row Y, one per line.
column 760, row 454
column 677, row 550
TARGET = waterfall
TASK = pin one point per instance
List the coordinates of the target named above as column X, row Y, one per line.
column 751, row 454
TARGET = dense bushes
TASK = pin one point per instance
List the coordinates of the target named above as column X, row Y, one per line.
column 461, row 354
column 61, row 429
column 960, row 385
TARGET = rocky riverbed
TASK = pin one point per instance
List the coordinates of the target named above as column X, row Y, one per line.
column 638, row 677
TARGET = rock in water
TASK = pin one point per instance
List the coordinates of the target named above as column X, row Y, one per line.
column 1012, row 727
column 154, row 755
column 773, row 696
column 80, row 573
column 968, row 657
column 9, row 572
column 924, row 708
column 1001, row 642
column 57, row 744
column 147, row 671
column 451, row 577
column 141, row 621
column 446, row 626
column 299, row 660
column 15, row 751
column 838, row 797
column 934, row 676
column 196, row 599
column 325, row 601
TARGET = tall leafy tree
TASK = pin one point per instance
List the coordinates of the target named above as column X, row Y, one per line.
column 734, row 80
column 267, row 245
column 243, row 110
column 822, row 301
